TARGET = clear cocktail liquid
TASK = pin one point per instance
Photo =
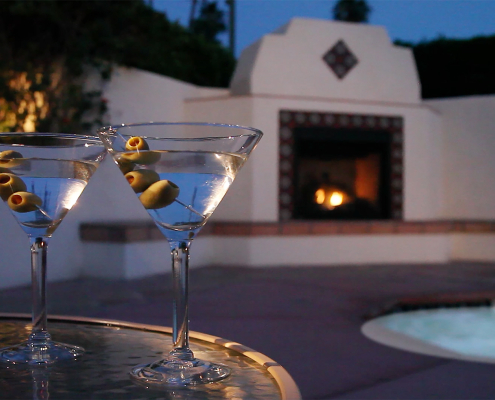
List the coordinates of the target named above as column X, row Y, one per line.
column 203, row 179
column 58, row 183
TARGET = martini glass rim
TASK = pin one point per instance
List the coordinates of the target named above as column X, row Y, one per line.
column 246, row 130
column 67, row 135
column 85, row 139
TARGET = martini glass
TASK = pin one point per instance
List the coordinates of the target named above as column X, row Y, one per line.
column 181, row 172
column 41, row 178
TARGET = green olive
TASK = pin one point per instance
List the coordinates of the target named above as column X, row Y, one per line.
column 136, row 143
column 160, row 194
column 23, row 202
column 9, row 184
column 142, row 154
column 10, row 158
column 141, row 179
column 142, row 157
column 125, row 165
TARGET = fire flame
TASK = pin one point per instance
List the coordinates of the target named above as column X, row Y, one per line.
column 330, row 198
column 320, row 196
column 336, row 199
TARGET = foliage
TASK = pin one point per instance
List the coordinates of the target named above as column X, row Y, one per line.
column 210, row 22
column 351, row 11
column 455, row 67
column 48, row 47
column 40, row 87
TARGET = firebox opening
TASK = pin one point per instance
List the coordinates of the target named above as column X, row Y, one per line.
column 341, row 174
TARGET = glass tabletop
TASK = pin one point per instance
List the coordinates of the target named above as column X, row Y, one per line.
column 113, row 347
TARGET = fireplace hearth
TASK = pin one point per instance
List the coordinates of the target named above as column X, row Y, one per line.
column 340, row 166
column 341, row 174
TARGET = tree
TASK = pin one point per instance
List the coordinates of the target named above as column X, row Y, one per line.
column 46, row 48
column 351, row 11
column 210, row 21
column 192, row 13
column 455, row 67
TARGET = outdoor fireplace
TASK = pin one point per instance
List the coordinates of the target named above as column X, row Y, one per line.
column 340, row 166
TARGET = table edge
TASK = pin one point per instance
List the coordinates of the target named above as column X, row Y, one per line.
column 287, row 386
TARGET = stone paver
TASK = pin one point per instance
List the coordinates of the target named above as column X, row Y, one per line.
column 307, row 319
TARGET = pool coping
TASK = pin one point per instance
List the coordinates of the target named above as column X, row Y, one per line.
column 373, row 330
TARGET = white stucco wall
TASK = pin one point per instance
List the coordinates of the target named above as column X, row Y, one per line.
column 468, row 145
column 423, row 161
column 473, row 247
column 15, row 259
column 289, row 62
column 274, row 251
column 140, row 96
column 422, row 158
column 138, row 259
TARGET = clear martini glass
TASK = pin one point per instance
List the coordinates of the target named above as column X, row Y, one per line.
column 180, row 172
column 41, row 178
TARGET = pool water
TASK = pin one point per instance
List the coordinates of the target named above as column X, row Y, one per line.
column 465, row 331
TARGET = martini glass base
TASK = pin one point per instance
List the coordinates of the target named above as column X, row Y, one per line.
column 39, row 354
column 174, row 372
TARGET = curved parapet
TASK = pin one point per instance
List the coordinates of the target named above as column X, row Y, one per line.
column 328, row 59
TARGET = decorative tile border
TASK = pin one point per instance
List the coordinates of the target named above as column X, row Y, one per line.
column 144, row 231
column 297, row 228
column 290, row 120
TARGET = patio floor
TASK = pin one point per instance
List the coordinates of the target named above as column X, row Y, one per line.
column 307, row 319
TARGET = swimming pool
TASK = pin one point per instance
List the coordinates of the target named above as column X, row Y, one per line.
column 466, row 333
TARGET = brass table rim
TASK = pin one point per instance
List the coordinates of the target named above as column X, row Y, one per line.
column 287, row 386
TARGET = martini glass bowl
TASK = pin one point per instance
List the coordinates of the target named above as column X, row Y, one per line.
column 180, row 172
column 41, row 178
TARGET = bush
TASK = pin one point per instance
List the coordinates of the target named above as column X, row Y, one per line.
column 455, row 67
column 45, row 46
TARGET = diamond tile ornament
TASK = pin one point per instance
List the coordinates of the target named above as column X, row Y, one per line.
column 340, row 59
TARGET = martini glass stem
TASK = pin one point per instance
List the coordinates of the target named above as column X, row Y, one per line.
column 180, row 277
column 39, row 334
